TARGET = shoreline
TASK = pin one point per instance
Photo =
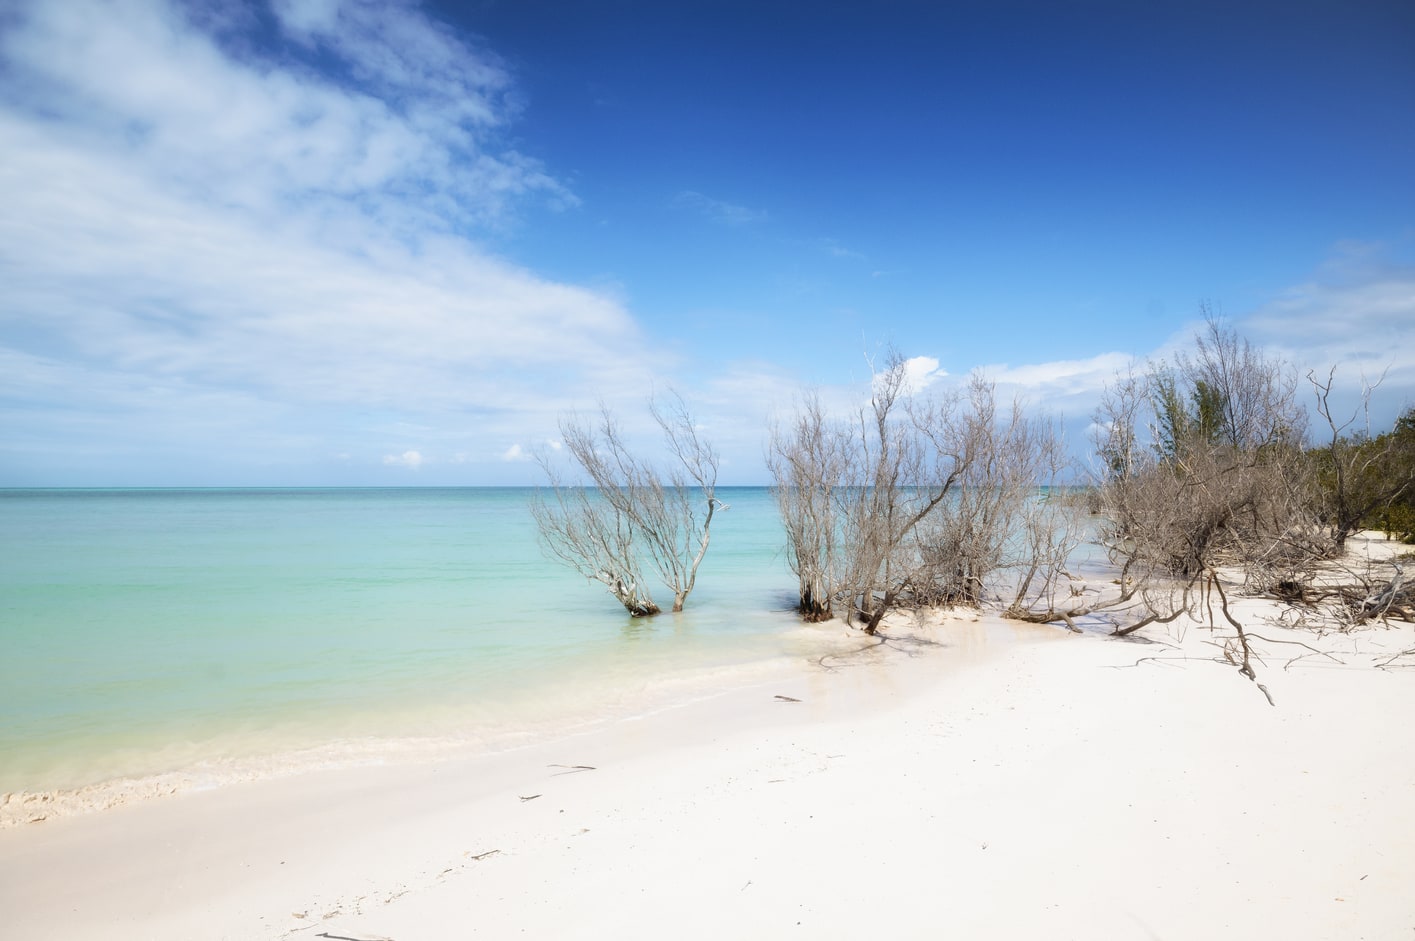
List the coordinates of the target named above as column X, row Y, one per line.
column 1075, row 786
column 148, row 636
column 628, row 693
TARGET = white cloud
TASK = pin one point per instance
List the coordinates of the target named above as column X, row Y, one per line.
column 920, row 372
column 1355, row 314
column 1074, row 377
column 412, row 131
column 515, row 453
column 1358, row 314
column 409, row 459
column 243, row 228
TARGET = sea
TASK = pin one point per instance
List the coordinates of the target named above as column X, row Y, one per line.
column 204, row 635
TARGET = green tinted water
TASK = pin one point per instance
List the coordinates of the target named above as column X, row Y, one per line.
column 141, row 630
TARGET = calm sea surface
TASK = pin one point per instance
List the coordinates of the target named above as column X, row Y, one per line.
column 147, row 630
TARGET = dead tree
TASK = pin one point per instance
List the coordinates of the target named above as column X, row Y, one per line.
column 851, row 492
column 627, row 515
column 808, row 462
column 1049, row 531
column 913, row 500
column 1202, row 466
column 896, row 483
column 582, row 527
column 1202, row 462
column 1240, row 397
column 676, row 509
column 996, row 520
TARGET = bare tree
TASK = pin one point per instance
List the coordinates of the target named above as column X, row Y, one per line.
column 912, row 500
column 1048, row 530
column 1002, row 464
column 809, row 463
column 1222, row 482
column 896, row 481
column 629, row 514
column 1242, row 398
column 1223, row 479
column 851, row 492
column 581, row 528
column 677, row 509
column 1116, row 432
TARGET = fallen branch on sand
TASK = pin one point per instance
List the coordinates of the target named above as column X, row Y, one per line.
column 1319, row 653
column 1384, row 664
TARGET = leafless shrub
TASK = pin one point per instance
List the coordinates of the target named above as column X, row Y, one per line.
column 914, row 500
column 810, row 462
column 1201, row 465
column 1043, row 591
column 998, row 519
column 897, row 475
column 628, row 513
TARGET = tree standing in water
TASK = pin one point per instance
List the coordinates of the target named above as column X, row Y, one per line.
column 628, row 515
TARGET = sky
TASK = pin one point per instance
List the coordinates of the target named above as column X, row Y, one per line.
column 344, row 242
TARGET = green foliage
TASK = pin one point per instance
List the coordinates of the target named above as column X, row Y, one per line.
column 1228, row 397
column 1223, row 480
column 1400, row 470
column 1190, row 414
column 1397, row 522
column 1210, row 407
column 1172, row 419
column 1365, row 482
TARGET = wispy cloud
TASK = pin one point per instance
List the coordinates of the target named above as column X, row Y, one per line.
column 717, row 210
column 1356, row 310
column 1355, row 315
column 835, row 250
column 1073, row 377
column 410, row 132
column 191, row 218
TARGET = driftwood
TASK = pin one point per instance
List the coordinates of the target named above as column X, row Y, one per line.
column 1355, row 603
column 571, row 769
column 1068, row 616
column 1049, row 616
column 1246, row 665
column 1379, row 604
column 1388, row 662
column 1198, row 592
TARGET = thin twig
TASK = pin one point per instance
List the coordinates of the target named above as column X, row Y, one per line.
column 1320, row 653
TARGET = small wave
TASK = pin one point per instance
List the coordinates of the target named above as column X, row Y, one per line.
column 22, row 807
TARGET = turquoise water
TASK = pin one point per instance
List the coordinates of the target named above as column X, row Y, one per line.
column 144, row 630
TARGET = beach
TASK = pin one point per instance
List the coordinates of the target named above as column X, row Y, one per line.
column 659, row 471
column 971, row 778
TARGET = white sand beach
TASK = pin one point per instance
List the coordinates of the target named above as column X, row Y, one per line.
column 1053, row 786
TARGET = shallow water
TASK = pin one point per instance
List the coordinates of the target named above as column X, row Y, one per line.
column 146, row 631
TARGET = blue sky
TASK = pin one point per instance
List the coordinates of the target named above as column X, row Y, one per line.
column 313, row 242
